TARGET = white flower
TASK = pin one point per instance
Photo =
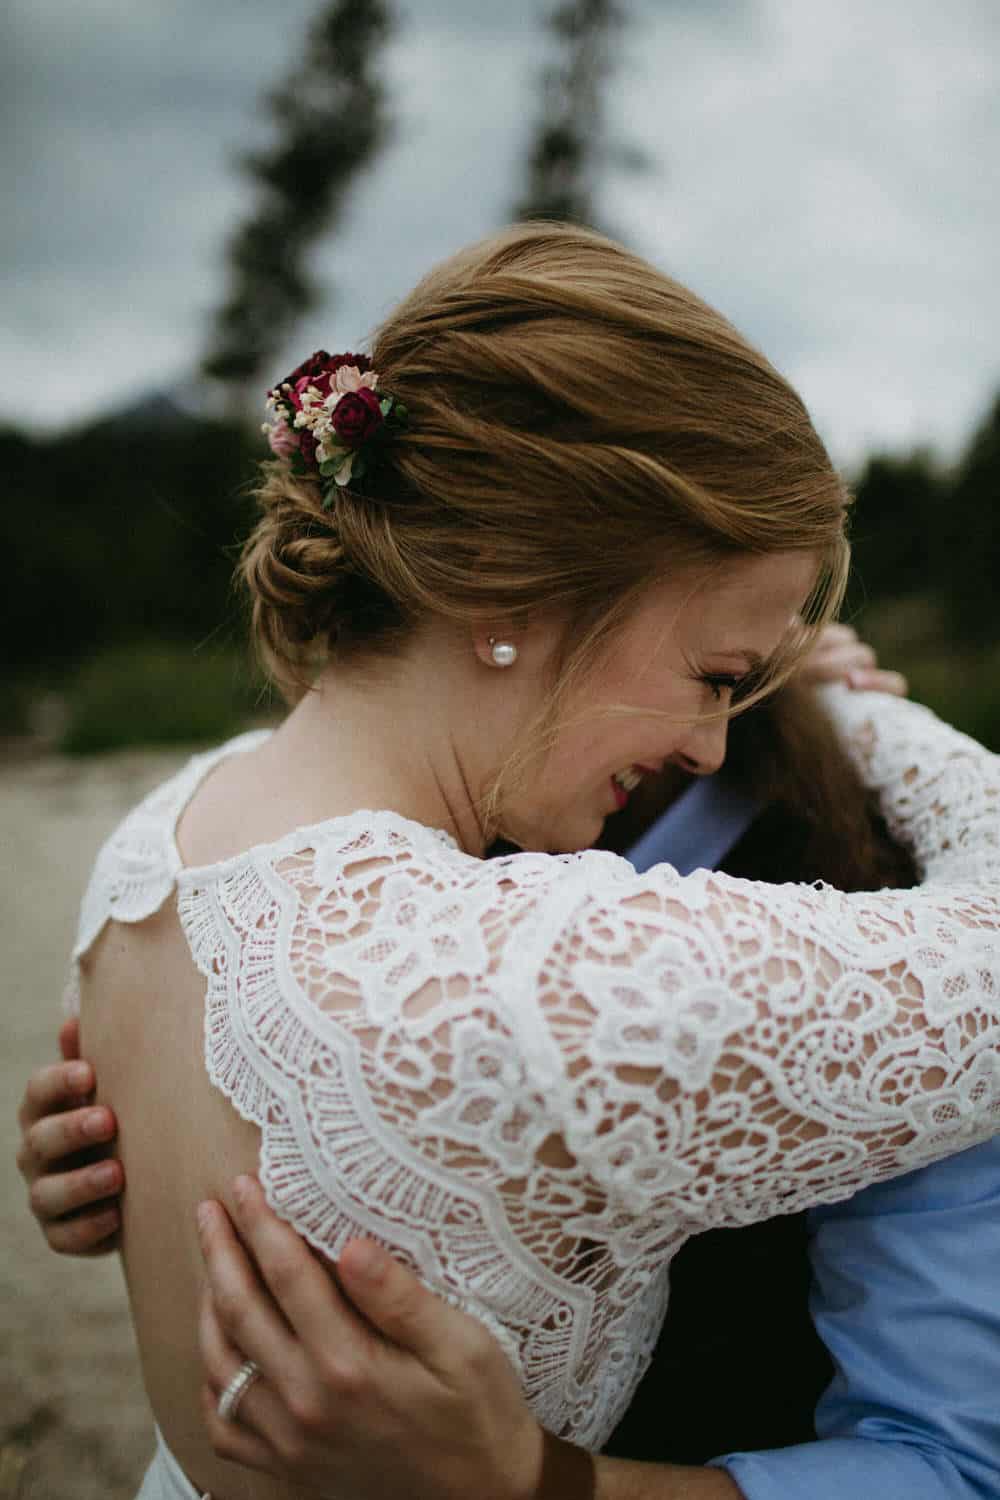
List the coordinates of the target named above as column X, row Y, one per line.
column 350, row 378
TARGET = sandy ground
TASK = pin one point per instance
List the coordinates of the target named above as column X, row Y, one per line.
column 74, row 1423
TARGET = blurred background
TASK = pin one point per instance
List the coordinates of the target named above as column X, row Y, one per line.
column 199, row 196
column 196, row 196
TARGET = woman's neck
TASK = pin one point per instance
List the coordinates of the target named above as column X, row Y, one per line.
column 381, row 738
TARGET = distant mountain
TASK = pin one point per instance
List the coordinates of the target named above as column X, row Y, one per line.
column 170, row 408
column 156, row 411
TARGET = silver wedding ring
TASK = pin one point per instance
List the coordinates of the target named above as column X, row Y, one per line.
column 237, row 1389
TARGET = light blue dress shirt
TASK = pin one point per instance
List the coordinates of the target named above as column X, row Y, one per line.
column 906, row 1291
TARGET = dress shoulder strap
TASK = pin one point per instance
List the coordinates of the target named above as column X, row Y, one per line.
column 137, row 866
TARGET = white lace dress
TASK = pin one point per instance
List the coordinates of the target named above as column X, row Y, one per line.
column 535, row 1077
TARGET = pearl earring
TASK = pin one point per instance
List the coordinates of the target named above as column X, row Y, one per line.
column 502, row 652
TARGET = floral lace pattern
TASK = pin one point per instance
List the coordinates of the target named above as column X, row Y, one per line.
column 535, row 1077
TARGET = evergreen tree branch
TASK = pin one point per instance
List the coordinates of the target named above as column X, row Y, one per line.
column 331, row 121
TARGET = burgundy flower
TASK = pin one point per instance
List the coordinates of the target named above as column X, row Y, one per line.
column 307, row 446
column 303, row 375
column 320, row 370
column 311, row 367
column 360, row 362
column 356, row 417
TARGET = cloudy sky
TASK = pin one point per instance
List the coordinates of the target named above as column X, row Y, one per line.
column 825, row 173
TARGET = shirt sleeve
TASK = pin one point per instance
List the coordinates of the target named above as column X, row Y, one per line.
column 905, row 1298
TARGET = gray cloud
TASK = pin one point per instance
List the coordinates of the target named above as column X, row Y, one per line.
column 829, row 183
column 825, row 174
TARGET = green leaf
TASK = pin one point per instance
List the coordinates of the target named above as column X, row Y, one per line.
column 360, row 466
column 385, row 407
column 329, row 467
column 401, row 414
column 329, row 495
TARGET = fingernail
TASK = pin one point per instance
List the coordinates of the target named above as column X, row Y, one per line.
column 367, row 1259
column 242, row 1189
column 95, row 1124
column 79, row 1075
column 106, row 1175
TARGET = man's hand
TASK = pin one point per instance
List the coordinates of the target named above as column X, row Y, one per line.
column 396, row 1395
column 392, row 1395
column 839, row 656
column 71, row 1194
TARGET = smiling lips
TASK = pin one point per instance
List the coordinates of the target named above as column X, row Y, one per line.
column 624, row 782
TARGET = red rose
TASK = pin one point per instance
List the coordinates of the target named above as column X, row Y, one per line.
column 307, row 445
column 361, row 362
column 303, row 375
column 318, row 370
column 356, row 417
column 314, row 365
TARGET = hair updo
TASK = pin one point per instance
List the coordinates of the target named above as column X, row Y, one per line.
column 578, row 423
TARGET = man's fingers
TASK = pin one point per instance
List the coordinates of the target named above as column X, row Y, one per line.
column 262, row 1411
column 839, row 631
column 834, row 635
column 88, row 1234
column 245, row 1312
column 219, row 1356
column 69, row 1039
column 842, row 659
column 56, row 1194
column 403, row 1309
column 60, row 1086
column 304, row 1291
column 877, row 681
column 390, row 1297
column 56, row 1136
column 222, row 1360
column 232, row 1440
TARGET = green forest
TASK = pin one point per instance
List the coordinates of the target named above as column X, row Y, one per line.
column 120, row 618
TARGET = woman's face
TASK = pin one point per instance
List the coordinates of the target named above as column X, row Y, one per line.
column 674, row 666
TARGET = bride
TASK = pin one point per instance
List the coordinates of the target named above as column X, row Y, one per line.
column 532, row 551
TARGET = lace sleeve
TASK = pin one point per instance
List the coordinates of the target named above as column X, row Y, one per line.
column 939, row 790
column 534, row 1077
column 734, row 1050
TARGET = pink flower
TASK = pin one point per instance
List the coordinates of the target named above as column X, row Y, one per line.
column 282, row 441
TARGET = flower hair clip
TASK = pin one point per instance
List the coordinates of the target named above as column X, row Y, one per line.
column 328, row 419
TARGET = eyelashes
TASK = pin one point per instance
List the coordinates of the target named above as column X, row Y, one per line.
column 720, row 682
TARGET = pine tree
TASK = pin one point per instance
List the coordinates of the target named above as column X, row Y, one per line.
column 568, row 146
column 900, row 500
column 969, row 539
column 331, row 120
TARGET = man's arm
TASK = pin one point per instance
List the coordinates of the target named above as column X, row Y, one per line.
column 392, row 1393
column 620, row 1479
column 906, row 1301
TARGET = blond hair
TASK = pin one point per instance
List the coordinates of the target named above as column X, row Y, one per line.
column 578, row 424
